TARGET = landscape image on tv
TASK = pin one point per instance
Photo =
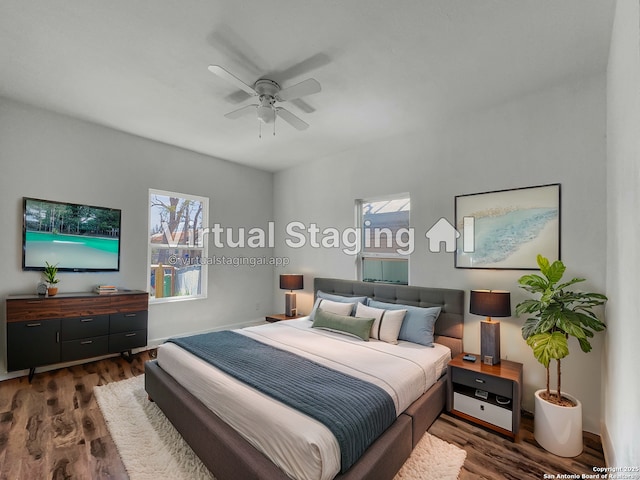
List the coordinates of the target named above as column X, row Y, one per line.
column 75, row 237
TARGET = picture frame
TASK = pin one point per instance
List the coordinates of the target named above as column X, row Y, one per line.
column 507, row 229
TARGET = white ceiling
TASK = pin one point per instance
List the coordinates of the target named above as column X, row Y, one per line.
column 386, row 67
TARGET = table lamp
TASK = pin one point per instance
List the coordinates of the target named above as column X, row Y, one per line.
column 490, row 303
column 291, row 282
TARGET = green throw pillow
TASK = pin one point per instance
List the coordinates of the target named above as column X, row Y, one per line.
column 357, row 327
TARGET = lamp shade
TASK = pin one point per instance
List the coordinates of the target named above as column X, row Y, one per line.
column 490, row 303
column 291, row 281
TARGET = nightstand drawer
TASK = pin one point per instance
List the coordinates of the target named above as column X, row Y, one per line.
column 497, row 385
column 500, row 417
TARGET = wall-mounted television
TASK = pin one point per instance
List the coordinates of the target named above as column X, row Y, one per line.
column 78, row 238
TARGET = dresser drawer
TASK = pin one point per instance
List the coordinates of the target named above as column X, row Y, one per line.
column 84, row 327
column 497, row 385
column 128, row 322
column 121, row 342
column 84, row 348
column 33, row 309
column 498, row 416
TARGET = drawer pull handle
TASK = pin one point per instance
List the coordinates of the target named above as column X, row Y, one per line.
column 479, row 380
column 84, row 320
column 130, row 335
column 86, row 342
column 58, row 337
column 33, row 301
column 130, row 315
column 482, row 407
column 34, row 324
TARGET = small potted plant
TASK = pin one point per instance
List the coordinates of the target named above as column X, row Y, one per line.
column 557, row 314
column 51, row 277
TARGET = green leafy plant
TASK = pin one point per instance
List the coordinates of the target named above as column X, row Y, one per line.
column 557, row 314
column 50, row 273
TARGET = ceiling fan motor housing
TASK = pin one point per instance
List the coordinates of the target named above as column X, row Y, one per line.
column 264, row 86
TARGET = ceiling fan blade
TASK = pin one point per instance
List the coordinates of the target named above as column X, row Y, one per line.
column 222, row 73
column 242, row 111
column 302, row 105
column 307, row 87
column 239, row 96
column 301, row 68
column 291, row 119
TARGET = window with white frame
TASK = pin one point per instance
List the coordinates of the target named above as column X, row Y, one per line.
column 177, row 246
column 386, row 239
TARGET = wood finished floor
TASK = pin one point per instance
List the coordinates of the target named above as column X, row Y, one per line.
column 53, row 429
column 491, row 456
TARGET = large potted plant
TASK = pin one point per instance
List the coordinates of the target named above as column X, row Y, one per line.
column 558, row 313
column 50, row 274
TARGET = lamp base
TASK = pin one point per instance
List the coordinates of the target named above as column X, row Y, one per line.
column 490, row 342
column 290, row 309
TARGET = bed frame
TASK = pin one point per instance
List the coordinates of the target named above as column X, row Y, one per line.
column 229, row 456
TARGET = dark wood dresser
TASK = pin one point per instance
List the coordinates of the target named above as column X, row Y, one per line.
column 73, row 326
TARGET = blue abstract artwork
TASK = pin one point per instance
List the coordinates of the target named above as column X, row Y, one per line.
column 510, row 227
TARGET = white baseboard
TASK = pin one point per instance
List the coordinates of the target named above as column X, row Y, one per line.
column 607, row 446
column 152, row 343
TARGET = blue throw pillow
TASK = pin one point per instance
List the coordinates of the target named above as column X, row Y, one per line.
column 336, row 298
column 419, row 322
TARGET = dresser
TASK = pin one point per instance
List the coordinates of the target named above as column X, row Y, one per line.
column 73, row 326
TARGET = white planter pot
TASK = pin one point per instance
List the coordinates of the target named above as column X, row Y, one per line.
column 558, row 429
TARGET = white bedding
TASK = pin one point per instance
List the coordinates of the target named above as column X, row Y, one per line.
column 301, row 446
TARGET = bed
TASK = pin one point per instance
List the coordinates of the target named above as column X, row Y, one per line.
column 228, row 455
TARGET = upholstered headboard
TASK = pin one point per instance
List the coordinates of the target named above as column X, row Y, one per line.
column 450, row 323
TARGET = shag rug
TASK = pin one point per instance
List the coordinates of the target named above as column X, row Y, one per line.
column 151, row 448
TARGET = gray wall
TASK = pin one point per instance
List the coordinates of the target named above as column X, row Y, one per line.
column 554, row 135
column 51, row 156
column 621, row 386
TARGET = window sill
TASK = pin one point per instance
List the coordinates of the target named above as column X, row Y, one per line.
column 159, row 301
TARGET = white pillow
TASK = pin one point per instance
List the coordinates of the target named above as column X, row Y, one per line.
column 387, row 323
column 339, row 308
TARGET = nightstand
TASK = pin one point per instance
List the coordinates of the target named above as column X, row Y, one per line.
column 279, row 317
column 488, row 395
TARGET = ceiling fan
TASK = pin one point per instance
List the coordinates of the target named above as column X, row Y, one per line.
column 268, row 93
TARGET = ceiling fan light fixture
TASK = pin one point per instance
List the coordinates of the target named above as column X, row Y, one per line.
column 266, row 114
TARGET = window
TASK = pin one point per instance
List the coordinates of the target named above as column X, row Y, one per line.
column 177, row 246
column 386, row 239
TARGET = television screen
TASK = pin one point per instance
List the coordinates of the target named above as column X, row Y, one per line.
column 78, row 238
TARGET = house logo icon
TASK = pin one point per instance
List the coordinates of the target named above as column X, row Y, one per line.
column 443, row 232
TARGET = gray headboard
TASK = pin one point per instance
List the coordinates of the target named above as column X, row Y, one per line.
column 450, row 323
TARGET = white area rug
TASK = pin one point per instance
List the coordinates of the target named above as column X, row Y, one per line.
column 151, row 448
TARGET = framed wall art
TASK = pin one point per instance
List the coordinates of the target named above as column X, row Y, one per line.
column 507, row 229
